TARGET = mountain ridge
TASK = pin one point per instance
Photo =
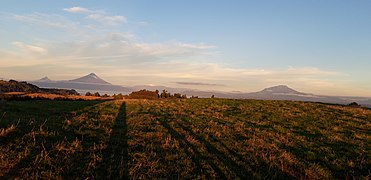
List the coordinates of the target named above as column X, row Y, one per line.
column 44, row 79
column 90, row 82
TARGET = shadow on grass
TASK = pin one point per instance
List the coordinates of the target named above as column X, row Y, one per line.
column 314, row 155
column 30, row 114
column 224, row 161
column 115, row 156
column 197, row 157
column 37, row 116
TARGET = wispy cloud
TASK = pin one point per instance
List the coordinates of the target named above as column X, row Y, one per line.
column 172, row 49
column 119, row 49
column 49, row 20
column 98, row 16
column 110, row 20
column 198, row 84
column 29, row 48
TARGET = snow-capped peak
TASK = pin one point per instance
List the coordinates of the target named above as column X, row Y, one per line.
column 91, row 78
column 93, row 75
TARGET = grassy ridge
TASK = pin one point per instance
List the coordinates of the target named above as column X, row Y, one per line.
column 187, row 138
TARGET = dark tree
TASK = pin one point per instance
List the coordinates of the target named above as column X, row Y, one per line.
column 354, row 104
column 88, row 94
column 143, row 94
column 177, row 95
column 165, row 94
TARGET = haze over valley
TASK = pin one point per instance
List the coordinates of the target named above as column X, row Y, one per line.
column 93, row 83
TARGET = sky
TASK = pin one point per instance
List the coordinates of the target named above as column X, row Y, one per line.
column 320, row 47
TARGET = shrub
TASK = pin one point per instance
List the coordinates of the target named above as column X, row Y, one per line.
column 88, row 94
column 144, row 94
column 354, row 104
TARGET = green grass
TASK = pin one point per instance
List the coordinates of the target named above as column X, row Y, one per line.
column 184, row 138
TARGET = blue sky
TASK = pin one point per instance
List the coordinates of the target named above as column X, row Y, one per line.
column 323, row 47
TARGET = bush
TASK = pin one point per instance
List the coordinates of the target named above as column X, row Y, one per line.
column 144, row 94
column 354, row 104
column 88, row 94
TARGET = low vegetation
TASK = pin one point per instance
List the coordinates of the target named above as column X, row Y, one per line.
column 184, row 138
column 147, row 94
column 143, row 94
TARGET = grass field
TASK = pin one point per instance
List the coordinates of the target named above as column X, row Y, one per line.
column 183, row 138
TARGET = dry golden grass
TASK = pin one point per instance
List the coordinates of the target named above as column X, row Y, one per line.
column 183, row 139
column 16, row 93
column 20, row 95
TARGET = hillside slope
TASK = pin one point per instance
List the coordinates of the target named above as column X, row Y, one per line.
column 15, row 86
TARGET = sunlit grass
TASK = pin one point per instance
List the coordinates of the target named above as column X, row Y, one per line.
column 216, row 138
column 184, row 138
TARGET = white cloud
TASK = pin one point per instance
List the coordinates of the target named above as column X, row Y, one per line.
column 110, row 20
column 77, row 10
column 98, row 16
column 172, row 49
column 29, row 48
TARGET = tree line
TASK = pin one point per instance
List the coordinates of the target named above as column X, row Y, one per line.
column 147, row 94
column 144, row 94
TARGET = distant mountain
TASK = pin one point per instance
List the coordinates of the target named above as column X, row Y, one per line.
column 281, row 89
column 281, row 92
column 90, row 82
column 44, row 79
column 91, row 78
